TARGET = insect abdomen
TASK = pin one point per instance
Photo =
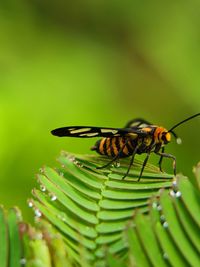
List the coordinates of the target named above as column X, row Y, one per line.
column 113, row 146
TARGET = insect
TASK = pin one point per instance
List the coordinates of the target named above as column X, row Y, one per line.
column 137, row 137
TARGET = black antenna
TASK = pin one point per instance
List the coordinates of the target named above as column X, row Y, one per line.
column 171, row 130
column 178, row 139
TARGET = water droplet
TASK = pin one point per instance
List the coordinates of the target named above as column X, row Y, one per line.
column 162, row 218
column 165, row 256
column 62, row 216
column 117, row 164
column 64, row 219
column 42, row 188
column 178, row 141
column 30, row 204
column 174, row 183
column 165, row 224
column 159, row 207
column 178, row 194
column 53, row 197
column 154, row 205
column 172, row 193
column 22, row 261
column 38, row 213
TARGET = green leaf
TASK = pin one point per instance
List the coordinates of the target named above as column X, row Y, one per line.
column 88, row 217
column 176, row 231
column 169, row 248
column 91, row 207
column 169, row 234
column 148, row 240
column 137, row 257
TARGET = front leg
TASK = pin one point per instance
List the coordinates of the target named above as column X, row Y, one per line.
column 165, row 155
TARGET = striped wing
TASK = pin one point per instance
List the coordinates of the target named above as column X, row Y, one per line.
column 88, row 131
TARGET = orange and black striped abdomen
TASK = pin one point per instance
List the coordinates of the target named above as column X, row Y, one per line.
column 112, row 147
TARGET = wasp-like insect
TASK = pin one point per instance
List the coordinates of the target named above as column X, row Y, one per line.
column 137, row 137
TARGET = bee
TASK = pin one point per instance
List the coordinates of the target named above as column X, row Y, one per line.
column 137, row 137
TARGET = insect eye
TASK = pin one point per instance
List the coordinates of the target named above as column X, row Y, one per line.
column 166, row 137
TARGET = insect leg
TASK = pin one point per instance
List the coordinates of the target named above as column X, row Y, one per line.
column 115, row 158
column 161, row 158
column 131, row 162
column 143, row 166
column 165, row 155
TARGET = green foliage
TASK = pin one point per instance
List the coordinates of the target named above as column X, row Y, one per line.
column 169, row 235
column 89, row 217
column 92, row 207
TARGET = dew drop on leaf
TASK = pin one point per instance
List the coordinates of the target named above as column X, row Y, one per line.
column 179, row 141
column 178, row 194
column 154, row 205
column 23, row 261
column 165, row 224
column 38, row 213
column 174, row 183
column 30, row 204
column 159, row 207
column 162, row 218
column 165, row 256
column 42, row 188
column 172, row 193
column 52, row 196
column 117, row 164
column 62, row 216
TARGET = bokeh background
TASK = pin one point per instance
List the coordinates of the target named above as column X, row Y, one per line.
column 97, row 63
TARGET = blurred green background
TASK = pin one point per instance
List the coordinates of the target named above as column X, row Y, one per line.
column 97, row 63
